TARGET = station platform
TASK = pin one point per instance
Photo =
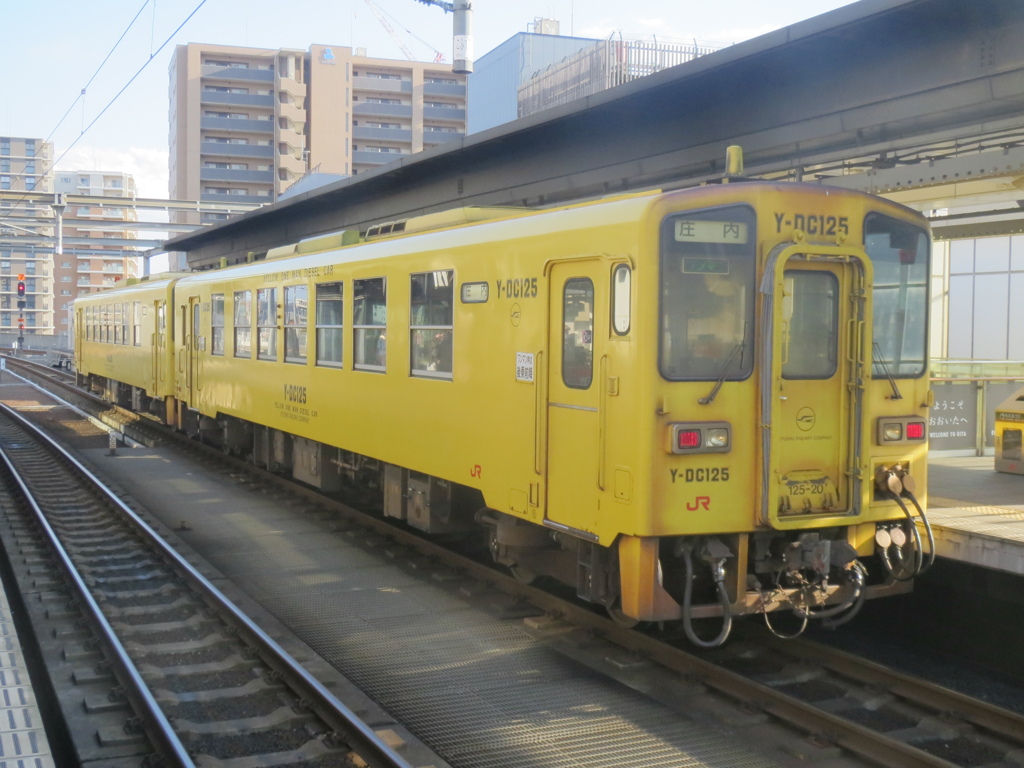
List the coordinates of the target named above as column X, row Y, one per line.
column 23, row 741
column 987, row 530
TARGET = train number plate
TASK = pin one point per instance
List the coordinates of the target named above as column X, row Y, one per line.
column 807, row 492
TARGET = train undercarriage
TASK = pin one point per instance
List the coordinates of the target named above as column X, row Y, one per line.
column 703, row 581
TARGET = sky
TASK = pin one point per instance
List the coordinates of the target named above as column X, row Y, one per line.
column 93, row 77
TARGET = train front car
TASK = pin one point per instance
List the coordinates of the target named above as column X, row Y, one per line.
column 790, row 407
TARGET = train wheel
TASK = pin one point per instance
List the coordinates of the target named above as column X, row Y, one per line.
column 620, row 618
column 523, row 575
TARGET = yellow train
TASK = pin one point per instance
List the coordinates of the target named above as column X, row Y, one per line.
column 689, row 405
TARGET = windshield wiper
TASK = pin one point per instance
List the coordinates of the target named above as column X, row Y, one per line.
column 885, row 369
column 737, row 353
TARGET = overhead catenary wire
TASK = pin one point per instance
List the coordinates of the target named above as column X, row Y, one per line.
column 110, row 103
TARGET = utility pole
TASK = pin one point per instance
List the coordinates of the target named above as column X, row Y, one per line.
column 462, row 33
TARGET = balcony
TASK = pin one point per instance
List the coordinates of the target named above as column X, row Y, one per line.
column 452, row 114
column 440, row 137
column 403, row 135
column 293, row 113
column 236, row 125
column 238, row 176
column 237, row 99
column 376, row 158
column 255, row 151
column 238, row 74
column 381, row 86
column 292, row 87
column 292, row 164
column 207, row 197
column 369, row 109
column 291, row 138
column 444, row 89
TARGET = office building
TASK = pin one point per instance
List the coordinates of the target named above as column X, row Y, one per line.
column 26, row 238
column 246, row 123
column 494, row 85
column 98, row 240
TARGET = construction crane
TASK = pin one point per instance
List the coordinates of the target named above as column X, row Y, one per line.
column 387, row 27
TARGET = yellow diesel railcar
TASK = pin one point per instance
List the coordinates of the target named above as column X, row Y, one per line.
column 688, row 405
column 123, row 344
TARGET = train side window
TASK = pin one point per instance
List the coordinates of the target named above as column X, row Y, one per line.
column 296, row 319
column 430, row 323
column 900, row 258
column 118, row 319
column 266, row 323
column 126, row 319
column 330, row 303
column 243, row 323
column 137, row 323
column 578, row 333
column 621, row 279
column 217, row 324
column 811, row 310
column 369, row 323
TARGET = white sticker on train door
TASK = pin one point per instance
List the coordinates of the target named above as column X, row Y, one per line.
column 524, row 366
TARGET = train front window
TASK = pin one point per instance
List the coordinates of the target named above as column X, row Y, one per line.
column 899, row 253
column 707, row 295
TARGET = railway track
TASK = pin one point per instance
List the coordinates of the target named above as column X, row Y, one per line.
column 190, row 677
column 833, row 706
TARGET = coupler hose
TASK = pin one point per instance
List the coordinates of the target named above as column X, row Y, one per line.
column 718, row 571
column 918, row 554
column 928, row 530
column 860, row 577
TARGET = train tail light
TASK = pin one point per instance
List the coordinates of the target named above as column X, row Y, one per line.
column 699, row 437
column 688, row 438
column 901, row 429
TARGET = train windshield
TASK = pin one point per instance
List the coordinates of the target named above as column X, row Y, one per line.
column 899, row 253
column 707, row 295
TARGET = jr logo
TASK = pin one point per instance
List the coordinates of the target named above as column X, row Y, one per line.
column 476, row 471
column 700, row 502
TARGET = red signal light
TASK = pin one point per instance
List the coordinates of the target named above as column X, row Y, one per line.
column 915, row 430
column 688, row 438
column 21, row 287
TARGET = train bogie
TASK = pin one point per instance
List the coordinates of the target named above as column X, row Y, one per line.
column 692, row 404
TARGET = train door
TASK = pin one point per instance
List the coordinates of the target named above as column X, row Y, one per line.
column 812, row 401
column 578, row 334
column 195, row 343
column 190, row 347
column 158, row 346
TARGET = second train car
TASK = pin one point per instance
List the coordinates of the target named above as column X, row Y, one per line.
column 687, row 405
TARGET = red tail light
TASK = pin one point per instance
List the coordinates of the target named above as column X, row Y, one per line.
column 915, row 430
column 688, row 438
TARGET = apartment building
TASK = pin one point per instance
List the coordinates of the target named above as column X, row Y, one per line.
column 26, row 238
column 246, row 123
column 98, row 238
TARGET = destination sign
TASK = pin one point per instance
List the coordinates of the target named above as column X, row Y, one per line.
column 702, row 231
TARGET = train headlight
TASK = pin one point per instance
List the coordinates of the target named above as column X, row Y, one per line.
column 717, row 438
column 699, row 437
column 901, row 429
column 892, row 432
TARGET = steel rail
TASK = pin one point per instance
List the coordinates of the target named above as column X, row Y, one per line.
column 803, row 717
column 980, row 713
column 136, row 688
column 370, row 747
